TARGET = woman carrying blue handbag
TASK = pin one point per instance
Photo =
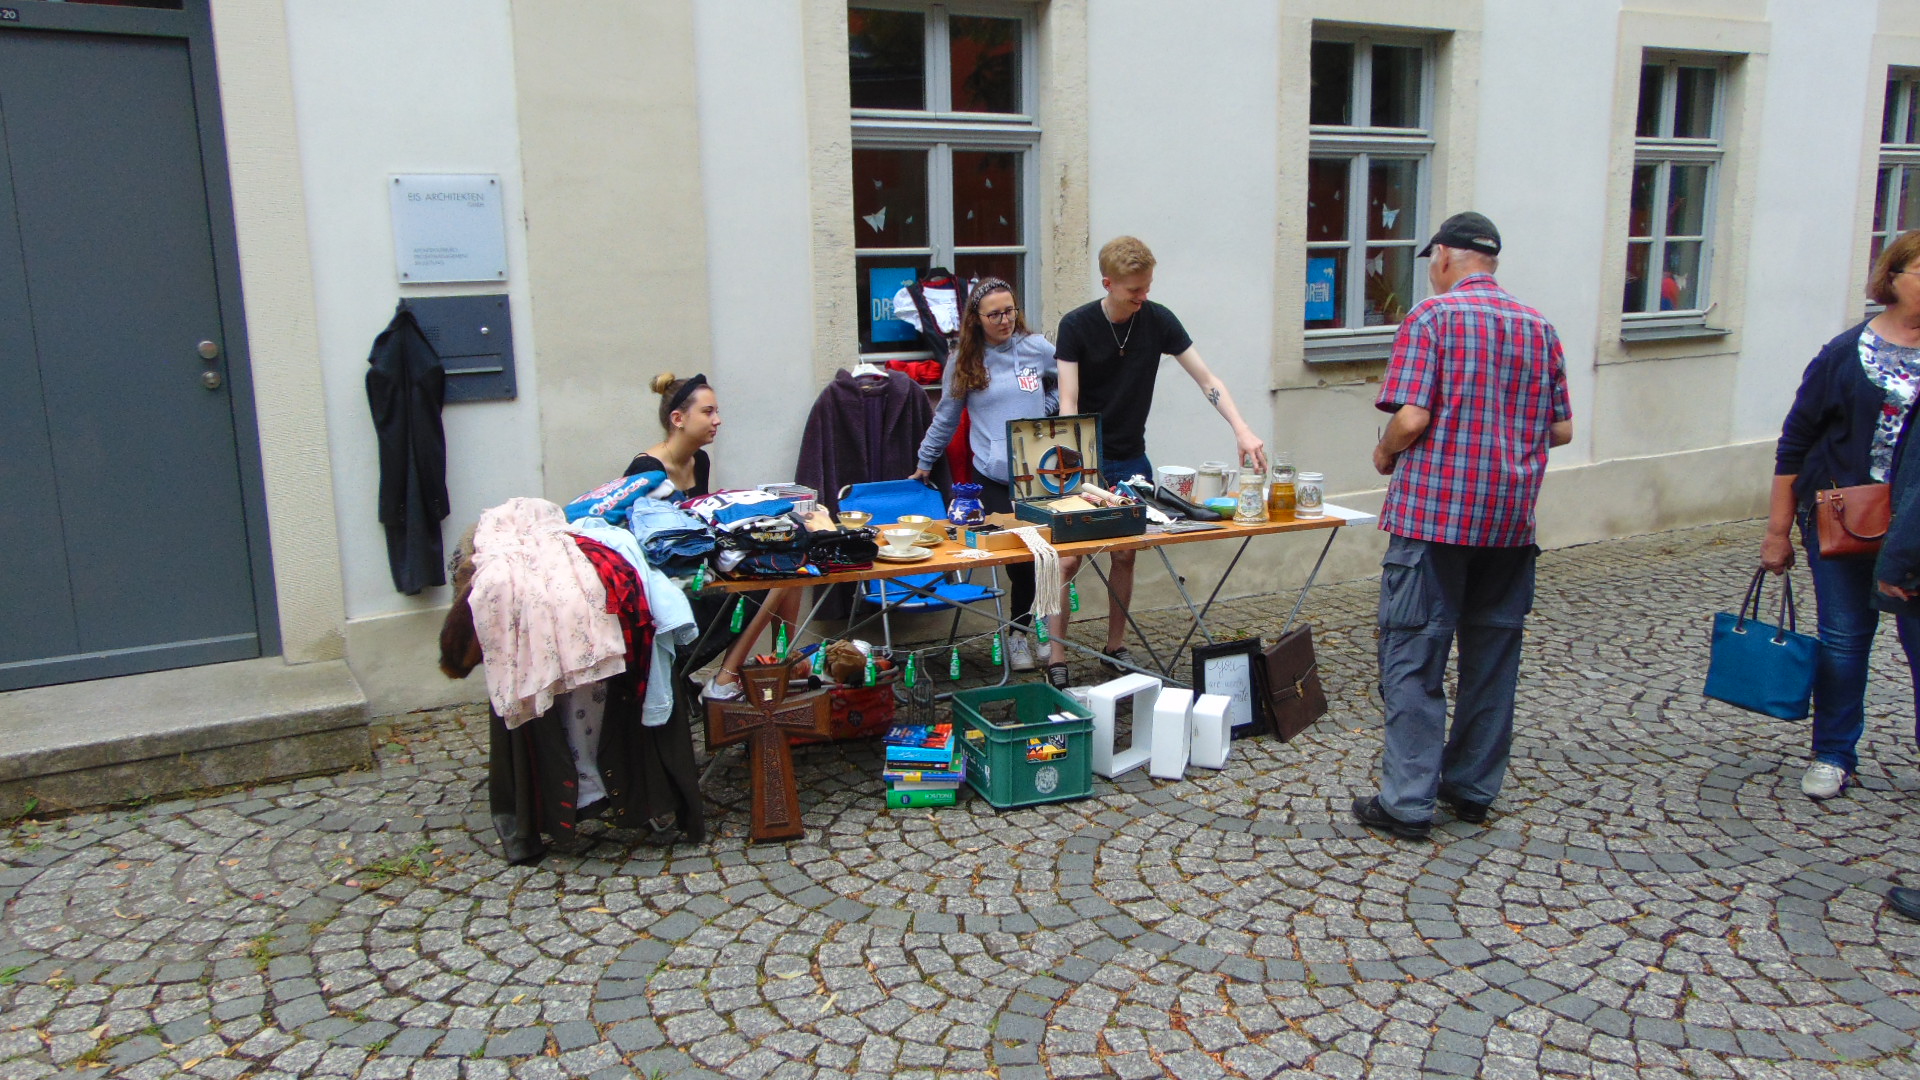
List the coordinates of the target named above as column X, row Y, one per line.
column 1842, row 432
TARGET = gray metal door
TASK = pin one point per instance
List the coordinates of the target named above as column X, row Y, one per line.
column 124, row 501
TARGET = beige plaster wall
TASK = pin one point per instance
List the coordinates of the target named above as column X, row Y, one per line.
column 1061, row 227
column 1735, row 29
column 836, row 299
column 1455, row 30
column 1065, row 244
column 1896, row 43
column 616, row 234
column 276, row 276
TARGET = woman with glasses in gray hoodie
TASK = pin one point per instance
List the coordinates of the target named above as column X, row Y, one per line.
column 1001, row 371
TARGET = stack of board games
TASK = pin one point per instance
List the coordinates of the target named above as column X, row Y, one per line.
column 924, row 765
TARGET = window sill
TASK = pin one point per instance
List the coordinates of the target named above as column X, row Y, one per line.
column 1347, row 348
column 1636, row 334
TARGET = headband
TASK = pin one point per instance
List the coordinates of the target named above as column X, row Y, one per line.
column 686, row 390
column 981, row 288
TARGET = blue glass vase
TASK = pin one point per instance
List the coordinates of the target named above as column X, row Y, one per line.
column 966, row 508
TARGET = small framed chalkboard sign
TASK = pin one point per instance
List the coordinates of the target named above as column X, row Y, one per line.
column 1232, row 669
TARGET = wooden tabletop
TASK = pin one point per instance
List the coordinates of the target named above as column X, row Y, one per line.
column 947, row 555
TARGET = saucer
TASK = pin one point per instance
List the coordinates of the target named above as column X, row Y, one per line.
column 912, row 554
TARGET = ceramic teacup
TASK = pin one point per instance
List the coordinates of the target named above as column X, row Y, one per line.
column 855, row 519
column 922, row 523
column 900, row 538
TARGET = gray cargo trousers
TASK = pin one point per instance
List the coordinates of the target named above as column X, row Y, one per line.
column 1429, row 594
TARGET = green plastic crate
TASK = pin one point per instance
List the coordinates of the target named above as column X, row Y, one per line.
column 999, row 765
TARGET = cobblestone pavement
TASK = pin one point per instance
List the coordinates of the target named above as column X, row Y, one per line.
column 1653, row 898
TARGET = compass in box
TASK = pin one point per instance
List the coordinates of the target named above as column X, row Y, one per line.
column 1052, row 459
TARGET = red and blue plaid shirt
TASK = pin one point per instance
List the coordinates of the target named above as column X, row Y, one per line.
column 1491, row 372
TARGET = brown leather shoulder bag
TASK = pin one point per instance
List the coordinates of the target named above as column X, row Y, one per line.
column 1851, row 521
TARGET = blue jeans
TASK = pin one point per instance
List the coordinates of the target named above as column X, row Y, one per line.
column 1843, row 589
column 1114, row 472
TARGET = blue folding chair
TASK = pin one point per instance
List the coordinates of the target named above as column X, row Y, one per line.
column 888, row 501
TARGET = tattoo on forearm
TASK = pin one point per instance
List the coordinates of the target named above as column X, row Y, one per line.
column 1213, row 395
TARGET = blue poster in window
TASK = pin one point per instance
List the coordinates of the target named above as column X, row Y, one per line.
column 1321, row 275
column 882, row 284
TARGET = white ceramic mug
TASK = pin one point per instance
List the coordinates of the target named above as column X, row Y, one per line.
column 1178, row 479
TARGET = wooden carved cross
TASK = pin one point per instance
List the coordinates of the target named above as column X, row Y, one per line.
column 765, row 716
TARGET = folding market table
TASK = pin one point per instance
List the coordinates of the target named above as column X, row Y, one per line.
column 952, row 555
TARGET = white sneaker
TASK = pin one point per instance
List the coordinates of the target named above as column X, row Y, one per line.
column 715, row 690
column 1824, row 780
column 1019, row 652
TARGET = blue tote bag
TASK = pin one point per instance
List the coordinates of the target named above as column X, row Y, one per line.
column 1763, row 668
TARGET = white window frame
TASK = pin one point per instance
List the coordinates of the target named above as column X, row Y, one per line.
column 940, row 131
column 1665, row 150
column 1896, row 154
column 1360, row 144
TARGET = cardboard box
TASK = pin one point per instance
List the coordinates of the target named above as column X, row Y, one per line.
column 1000, row 539
column 1051, row 459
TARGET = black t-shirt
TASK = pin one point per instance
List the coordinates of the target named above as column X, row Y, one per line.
column 1117, row 383
column 702, row 466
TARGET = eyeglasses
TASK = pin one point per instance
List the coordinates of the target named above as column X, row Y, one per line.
column 1007, row 315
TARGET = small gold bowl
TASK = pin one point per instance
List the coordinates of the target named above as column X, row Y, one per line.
column 855, row 519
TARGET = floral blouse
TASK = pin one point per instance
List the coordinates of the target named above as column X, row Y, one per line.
column 1895, row 369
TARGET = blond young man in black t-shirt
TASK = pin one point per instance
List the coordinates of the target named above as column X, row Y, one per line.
column 1109, row 354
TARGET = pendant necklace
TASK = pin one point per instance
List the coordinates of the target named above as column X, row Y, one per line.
column 1118, row 341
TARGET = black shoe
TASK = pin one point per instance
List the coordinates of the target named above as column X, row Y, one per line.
column 1905, row 901
column 1473, row 813
column 1057, row 676
column 1367, row 812
column 1118, row 661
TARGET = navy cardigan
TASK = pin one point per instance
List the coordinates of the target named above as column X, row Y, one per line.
column 1827, row 439
column 1899, row 562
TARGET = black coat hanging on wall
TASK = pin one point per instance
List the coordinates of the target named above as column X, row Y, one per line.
column 406, row 385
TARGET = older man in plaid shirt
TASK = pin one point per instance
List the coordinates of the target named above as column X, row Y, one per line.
column 1478, row 392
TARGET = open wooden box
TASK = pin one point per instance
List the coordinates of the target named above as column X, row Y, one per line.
column 1051, row 459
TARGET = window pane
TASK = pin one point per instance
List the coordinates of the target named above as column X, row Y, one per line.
column 1882, row 193
column 1327, row 198
column 986, row 64
column 1890, row 118
column 1391, row 194
column 1326, row 289
column 1004, row 267
column 1693, row 103
column 1913, row 111
column 1638, row 255
column 1647, row 126
column 1687, row 200
column 1389, row 285
column 986, row 198
column 1873, row 250
column 1909, row 200
column 1396, row 86
column 887, row 52
column 889, row 198
column 879, row 331
column 1640, row 209
column 1680, row 285
column 1332, row 96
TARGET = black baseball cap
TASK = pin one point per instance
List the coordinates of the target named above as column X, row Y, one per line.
column 1468, row 231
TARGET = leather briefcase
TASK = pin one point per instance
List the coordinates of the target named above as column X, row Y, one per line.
column 1291, row 678
column 1851, row 521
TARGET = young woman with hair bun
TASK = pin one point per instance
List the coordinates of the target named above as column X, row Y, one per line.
column 690, row 417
